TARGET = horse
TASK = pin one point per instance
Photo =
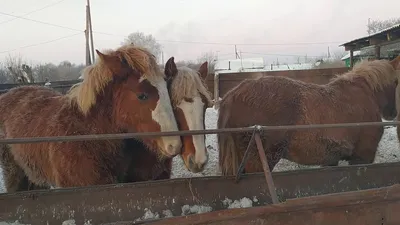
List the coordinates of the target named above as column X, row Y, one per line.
column 190, row 99
column 144, row 164
column 364, row 94
column 124, row 91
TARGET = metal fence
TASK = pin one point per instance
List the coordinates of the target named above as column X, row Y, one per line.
column 256, row 131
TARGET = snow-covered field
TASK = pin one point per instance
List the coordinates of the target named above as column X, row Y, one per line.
column 388, row 151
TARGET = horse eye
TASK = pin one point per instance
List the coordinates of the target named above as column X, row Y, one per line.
column 142, row 96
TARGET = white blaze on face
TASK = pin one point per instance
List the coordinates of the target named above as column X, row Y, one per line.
column 194, row 115
column 165, row 117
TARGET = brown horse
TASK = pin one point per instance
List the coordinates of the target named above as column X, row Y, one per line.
column 360, row 95
column 190, row 99
column 125, row 91
column 146, row 165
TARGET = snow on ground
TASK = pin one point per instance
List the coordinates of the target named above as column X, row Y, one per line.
column 388, row 151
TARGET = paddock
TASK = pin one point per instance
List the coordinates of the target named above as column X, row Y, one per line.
column 206, row 192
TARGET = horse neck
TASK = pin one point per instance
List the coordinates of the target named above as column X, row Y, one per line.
column 100, row 117
column 359, row 87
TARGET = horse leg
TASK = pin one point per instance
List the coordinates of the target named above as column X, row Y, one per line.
column 15, row 178
column 365, row 150
column 274, row 154
column 335, row 151
column 166, row 171
column 363, row 156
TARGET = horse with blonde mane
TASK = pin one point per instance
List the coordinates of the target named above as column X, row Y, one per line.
column 124, row 91
column 190, row 99
column 364, row 94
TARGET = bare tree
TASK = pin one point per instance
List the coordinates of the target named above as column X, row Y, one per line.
column 145, row 41
column 210, row 57
column 16, row 65
column 375, row 26
column 5, row 75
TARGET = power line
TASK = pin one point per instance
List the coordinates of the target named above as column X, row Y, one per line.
column 180, row 41
column 253, row 44
column 36, row 10
column 37, row 21
column 42, row 43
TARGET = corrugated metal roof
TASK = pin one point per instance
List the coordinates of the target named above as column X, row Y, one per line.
column 394, row 27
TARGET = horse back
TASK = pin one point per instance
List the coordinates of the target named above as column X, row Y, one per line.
column 269, row 100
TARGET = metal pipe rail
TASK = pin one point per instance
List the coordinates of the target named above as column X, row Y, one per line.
column 190, row 132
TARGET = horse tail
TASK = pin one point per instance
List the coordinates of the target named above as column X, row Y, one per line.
column 13, row 174
column 228, row 157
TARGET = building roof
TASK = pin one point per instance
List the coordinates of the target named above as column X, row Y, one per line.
column 355, row 53
column 383, row 35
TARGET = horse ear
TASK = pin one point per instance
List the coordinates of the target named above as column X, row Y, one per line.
column 396, row 62
column 203, row 71
column 112, row 62
column 170, row 68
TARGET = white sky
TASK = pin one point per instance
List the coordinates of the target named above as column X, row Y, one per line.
column 223, row 21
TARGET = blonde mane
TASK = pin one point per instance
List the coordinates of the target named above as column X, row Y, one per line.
column 377, row 73
column 97, row 76
column 186, row 84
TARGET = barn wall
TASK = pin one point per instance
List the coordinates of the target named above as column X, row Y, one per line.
column 229, row 80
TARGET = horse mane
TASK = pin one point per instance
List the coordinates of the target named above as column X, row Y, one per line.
column 186, row 83
column 98, row 75
column 377, row 73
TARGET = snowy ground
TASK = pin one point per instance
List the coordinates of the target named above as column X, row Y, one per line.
column 388, row 151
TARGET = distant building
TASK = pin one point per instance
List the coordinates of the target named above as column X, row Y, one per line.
column 256, row 65
column 356, row 57
column 384, row 44
column 296, row 66
column 239, row 65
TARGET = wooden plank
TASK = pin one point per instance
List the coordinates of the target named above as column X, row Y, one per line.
column 368, row 207
column 128, row 202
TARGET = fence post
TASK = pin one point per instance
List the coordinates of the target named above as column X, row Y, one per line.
column 216, row 90
column 267, row 172
column 245, row 157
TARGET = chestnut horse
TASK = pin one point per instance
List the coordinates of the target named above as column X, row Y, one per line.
column 124, row 91
column 144, row 164
column 360, row 95
column 190, row 99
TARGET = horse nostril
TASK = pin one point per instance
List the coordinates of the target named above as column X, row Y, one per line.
column 171, row 149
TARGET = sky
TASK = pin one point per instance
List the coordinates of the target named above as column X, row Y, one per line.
column 284, row 30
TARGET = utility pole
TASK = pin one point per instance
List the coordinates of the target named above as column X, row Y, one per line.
column 236, row 53
column 88, row 58
column 91, row 29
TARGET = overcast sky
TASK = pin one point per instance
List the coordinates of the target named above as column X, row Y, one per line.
column 278, row 24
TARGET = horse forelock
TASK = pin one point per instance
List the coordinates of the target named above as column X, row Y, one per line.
column 377, row 73
column 187, row 84
column 140, row 59
column 97, row 76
